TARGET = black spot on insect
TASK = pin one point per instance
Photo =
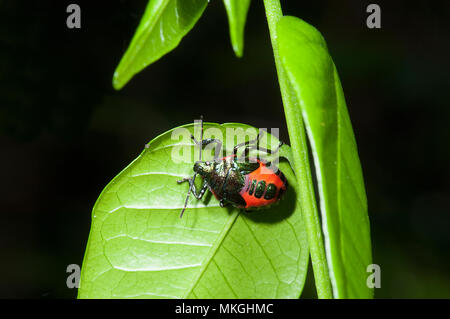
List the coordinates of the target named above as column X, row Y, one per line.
column 271, row 191
column 260, row 188
column 252, row 187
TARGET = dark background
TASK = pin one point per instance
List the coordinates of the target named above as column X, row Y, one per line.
column 65, row 133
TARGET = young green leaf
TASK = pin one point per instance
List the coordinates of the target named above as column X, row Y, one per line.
column 163, row 25
column 343, row 203
column 300, row 160
column 139, row 247
column 237, row 16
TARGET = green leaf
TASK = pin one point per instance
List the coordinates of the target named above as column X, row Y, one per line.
column 300, row 160
column 164, row 24
column 237, row 16
column 139, row 247
column 343, row 203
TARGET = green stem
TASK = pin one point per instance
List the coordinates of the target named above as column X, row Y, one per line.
column 302, row 168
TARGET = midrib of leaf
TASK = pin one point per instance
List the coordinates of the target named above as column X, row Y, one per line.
column 262, row 248
column 338, row 176
column 339, row 196
column 323, row 206
column 212, row 253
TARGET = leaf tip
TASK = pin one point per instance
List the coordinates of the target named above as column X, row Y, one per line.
column 117, row 82
column 238, row 50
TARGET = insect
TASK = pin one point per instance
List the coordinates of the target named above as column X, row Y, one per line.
column 243, row 182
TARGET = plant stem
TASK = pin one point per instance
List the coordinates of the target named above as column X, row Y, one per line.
column 302, row 168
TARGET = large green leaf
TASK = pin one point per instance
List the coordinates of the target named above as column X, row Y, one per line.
column 343, row 203
column 237, row 15
column 164, row 24
column 139, row 247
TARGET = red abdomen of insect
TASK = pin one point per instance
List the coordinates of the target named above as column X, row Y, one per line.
column 264, row 186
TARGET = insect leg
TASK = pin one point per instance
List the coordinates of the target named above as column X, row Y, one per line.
column 217, row 148
column 202, row 191
column 193, row 190
column 208, row 141
column 268, row 151
column 255, row 141
column 245, row 156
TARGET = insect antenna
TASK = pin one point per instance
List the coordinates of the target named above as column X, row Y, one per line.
column 192, row 179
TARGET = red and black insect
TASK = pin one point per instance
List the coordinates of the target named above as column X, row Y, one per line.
column 242, row 182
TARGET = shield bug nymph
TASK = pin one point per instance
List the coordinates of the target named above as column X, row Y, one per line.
column 243, row 182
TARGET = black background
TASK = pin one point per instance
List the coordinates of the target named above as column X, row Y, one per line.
column 65, row 133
